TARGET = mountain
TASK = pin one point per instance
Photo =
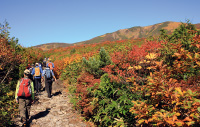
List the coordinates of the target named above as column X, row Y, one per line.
column 53, row 45
column 135, row 32
column 130, row 33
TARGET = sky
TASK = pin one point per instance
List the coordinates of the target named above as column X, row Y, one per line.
column 36, row 22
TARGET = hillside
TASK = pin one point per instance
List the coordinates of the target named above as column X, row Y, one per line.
column 52, row 46
column 136, row 32
column 122, row 34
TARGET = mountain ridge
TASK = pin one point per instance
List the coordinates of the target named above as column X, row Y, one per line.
column 122, row 34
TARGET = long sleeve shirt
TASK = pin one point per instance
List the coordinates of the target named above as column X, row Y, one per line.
column 33, row 72
column 32, row 90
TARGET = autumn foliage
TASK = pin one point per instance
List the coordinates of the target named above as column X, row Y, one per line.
column 13, row 60
column 155, row 83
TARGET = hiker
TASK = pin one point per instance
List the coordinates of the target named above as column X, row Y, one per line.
column 40, row 65
column 50, row 64
column 37, row 72
column 28, row 67
column 24, row 95
column 45, row 62
column 31, row 69
column 48, row 75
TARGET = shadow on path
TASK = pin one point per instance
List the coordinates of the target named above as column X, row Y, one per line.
column 37, row 116
column 57, row 93
column 40, row 115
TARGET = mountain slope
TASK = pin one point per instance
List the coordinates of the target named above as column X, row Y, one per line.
column 122, row 34
column 135, row 32
column 48, row 46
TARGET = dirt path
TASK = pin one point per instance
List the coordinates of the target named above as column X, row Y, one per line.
column 55, row 111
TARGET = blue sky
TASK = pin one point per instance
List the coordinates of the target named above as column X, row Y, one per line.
column 36, row 22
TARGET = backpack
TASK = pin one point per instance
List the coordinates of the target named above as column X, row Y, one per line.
column 48, row 73
column 24, row 88
column 37, row 71
column 50, row 65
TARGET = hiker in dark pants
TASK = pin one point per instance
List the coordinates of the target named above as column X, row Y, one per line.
column 24, row 95
column 37, row 72
column 48, row 75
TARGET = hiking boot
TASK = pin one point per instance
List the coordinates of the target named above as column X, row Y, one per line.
column 23, row 121
column 24, row 125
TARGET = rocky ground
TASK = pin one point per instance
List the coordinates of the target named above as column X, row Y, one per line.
column 56, row 111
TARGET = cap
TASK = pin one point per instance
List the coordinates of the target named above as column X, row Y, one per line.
column 27, row 72
column 36, row 64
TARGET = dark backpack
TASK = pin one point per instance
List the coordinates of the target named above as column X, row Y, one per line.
column 48, row 73
column 24, row 88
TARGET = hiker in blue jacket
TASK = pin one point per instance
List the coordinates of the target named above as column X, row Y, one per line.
column 48, row 75
column 37, row 73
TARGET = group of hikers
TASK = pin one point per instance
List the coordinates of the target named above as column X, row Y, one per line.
column 30, row 85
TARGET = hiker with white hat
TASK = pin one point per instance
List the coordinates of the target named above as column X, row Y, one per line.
column 37, row 73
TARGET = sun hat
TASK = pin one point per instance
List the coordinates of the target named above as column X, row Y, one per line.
column 27, row 72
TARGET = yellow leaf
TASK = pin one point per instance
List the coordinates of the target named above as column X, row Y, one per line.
column 189, row 56
column 173, row 102
column 137, row 67
column 190, row 123
column 151, row 74
column 196, row 56
column 179, row 90
column 134, row 102
column 140, row 62
column 148, row 62
column 151, row 56
column 177, row 114
column 130, row 67
column 149, row 68
column 141, row 121
column 179, row 123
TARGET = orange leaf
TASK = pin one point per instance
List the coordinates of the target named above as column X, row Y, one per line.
column 187, row 119
column 198, row 63
column 198, row 45
column 170, row 122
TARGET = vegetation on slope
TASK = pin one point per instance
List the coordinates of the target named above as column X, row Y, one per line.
column 13, row 61
column 154, row 84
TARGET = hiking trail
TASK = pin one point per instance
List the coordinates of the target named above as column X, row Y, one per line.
column 56, row 111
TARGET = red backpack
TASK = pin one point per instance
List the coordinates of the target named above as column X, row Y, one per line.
column 24, row 88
